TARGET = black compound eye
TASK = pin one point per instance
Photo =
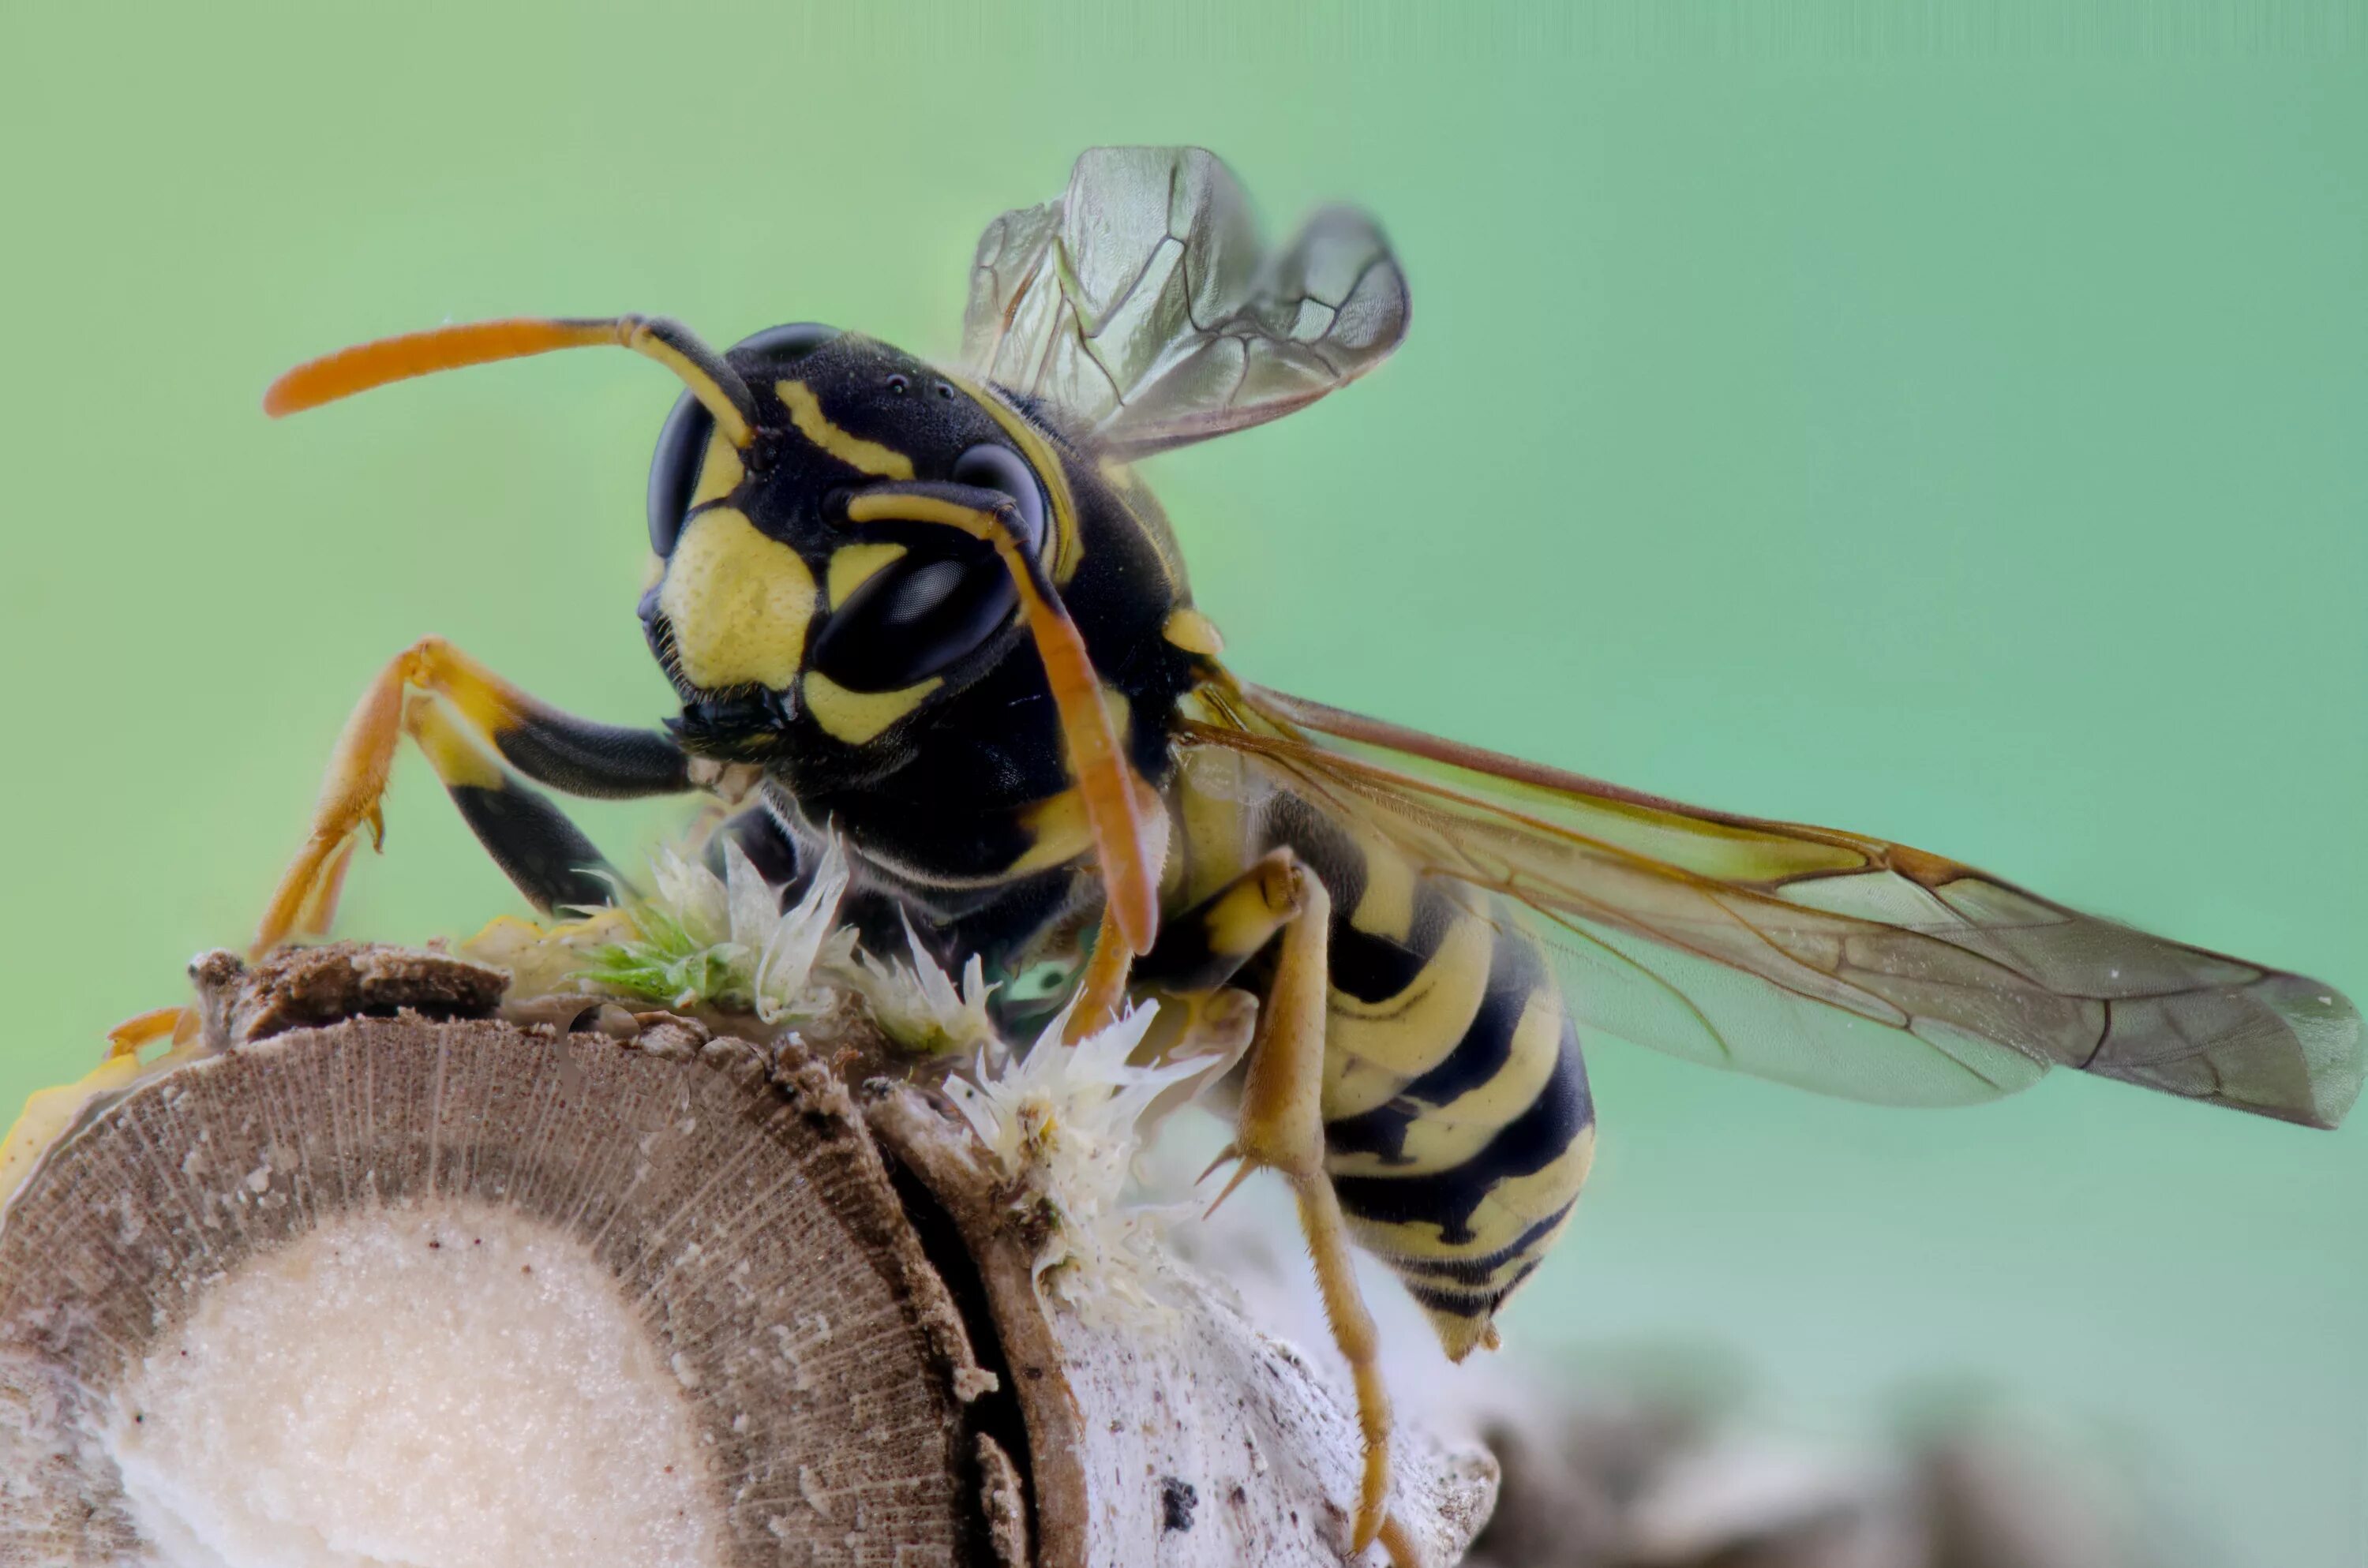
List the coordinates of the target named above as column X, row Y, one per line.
column 991, row 467
column 920, row 615
column 779, row 344
column 673, row 471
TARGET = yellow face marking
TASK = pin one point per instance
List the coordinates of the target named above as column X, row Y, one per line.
column 652, row 571
column 866, row 456
column 1194, row 632
column 458, row 760
column 722, row 472
column 740, row 603
column 856, row 717
column 852, row 565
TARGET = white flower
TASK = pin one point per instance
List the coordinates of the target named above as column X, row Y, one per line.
column 702, row 940
column 1063, row 1119
column 917, row 1005
column 790, row 943
column 693, row 895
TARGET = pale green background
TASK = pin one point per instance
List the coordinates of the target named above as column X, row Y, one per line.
column 1956, row 429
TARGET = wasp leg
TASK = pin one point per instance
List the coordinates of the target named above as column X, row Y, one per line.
column 132, row 1035
column 545, row 855
column 1198, row 955
column 321, row 904
column 567, row 753
column 1204, row 947
column 1113, row 963
column 1104, row 985
column 1197, row 952
column 1281, row 1128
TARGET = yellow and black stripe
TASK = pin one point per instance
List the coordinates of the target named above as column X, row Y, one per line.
column 1458, row 1123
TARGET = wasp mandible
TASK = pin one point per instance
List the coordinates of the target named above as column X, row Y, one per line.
column 933, row 610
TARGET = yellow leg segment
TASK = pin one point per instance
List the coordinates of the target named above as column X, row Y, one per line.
column 1107, row 972
column 129, row 1037
column 306, row 897
column 1104, row 985
column 1281, row 1128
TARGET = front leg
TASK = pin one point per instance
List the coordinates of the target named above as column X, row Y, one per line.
column 545, row 855
column 474, row 705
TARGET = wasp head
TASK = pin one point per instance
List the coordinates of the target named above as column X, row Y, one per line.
column 781, row 616
column 766, row 601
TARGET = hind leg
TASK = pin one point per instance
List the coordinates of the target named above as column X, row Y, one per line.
column 1281, row 1128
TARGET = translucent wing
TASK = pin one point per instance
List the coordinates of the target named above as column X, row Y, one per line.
column 1141, row 308
column 1826, row 959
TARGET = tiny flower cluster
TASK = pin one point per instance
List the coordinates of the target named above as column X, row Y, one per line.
column 918, row 1005
column 1065, row 1121
column 725, row 942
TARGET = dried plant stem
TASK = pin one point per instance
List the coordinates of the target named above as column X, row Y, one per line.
column 837, row 1280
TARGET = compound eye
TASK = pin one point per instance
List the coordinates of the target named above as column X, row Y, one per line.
column 673, row 471
column 779, row 344
column 990, row 467
column 920, row 615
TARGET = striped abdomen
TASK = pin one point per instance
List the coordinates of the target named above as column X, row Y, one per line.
column 1457, row 1115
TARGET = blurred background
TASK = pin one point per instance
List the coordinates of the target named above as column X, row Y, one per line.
column 1939, row 424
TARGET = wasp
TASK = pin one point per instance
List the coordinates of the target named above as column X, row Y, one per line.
column 933, row 609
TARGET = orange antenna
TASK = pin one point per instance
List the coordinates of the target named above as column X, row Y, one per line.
column 1129, row 839
column 368, row 365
